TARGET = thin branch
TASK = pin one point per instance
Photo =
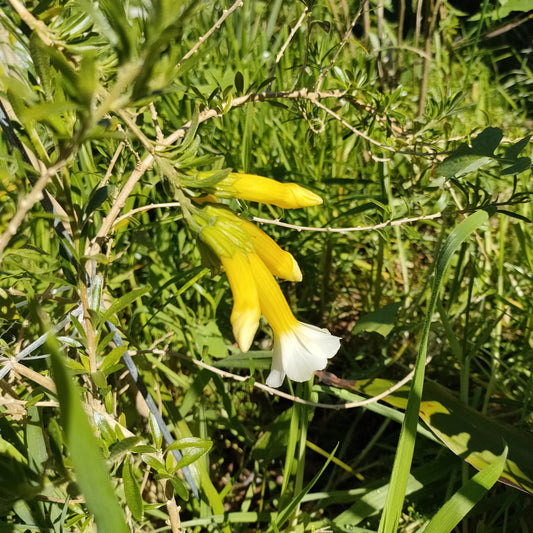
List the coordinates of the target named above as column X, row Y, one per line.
column 277, row 222
column 304, row 93
column 345, row 40
column 286, row 43
column 155, row 119
column 144, row 209
column 364, row 135
column 38, row 26
column 291, row 35
column 24, row 205
column 38, row 192
column 389, row 223
column 225, row 14
column 291, row 397
column 112, row 163
column 146, row 163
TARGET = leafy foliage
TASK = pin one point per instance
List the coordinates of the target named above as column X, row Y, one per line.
column 420, row 255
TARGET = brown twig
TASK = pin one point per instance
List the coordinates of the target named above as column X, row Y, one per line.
column 289, row 39
column 26, row 203
column 225, row 14
column 345, row 39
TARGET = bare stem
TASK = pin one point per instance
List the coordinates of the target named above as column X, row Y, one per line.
column 381, row 225
column 345, row 39
column 326, row 377
column 225, row 14
column 287, row 42
column 26, row 203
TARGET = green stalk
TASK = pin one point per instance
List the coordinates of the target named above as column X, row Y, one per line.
column 404, row 454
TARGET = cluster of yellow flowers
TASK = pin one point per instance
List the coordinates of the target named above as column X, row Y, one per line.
column 251, row 259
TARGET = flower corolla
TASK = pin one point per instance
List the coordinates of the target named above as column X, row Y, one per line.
column 251, row 259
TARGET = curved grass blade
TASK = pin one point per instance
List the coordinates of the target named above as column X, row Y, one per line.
column 404, row 453
column 463, row 501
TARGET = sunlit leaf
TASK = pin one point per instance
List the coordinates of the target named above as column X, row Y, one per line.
column 476, row 438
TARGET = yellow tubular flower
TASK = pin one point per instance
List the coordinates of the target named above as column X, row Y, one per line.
column 281, row 263
column 299, row 349
column 246, row 311
column 265, row 190
column 278, row 261
column 251, row 259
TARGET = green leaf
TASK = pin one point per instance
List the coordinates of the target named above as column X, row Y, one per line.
column 17, row 482
column 476, row 438
column 89, row 466
column 466, row 159
column 157, row 436
column 239, row 82
column 179, row 488
column 154, row 463
column 106, row 432
column 371, row 502
column 97, row 198
column 99, row 379
column 192, row 448
column 37, row 452
column 404, row 453
column 260, row 359
column 381, row 321
column 462, row 502
column 514, row 150
column 209, row 335
column 285, row 514
column 121, row 35
column 124, row 301
column 487, row 141
column 132, row 491
column 112, row 358
column 123, row 446
column 455, row 166
column 520, row 165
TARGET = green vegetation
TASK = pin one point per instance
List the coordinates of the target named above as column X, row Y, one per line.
column 125, row 403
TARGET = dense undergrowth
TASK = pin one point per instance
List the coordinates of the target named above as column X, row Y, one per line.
column 415, row 132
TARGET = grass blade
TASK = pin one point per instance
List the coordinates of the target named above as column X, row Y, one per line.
column 89, row 467
column 404, row 453
column 458, row 506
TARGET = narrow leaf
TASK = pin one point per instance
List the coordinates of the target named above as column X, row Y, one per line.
column 191, row 448
column 404, row 453
column 462, row 502
column 515, row 149
column 132, row 491
column 89, row 466
column 380, row 321
column 124, row 301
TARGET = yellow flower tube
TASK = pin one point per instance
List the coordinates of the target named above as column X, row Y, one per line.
column 246, row 310
column 299, row 348
column 280, row 262
column 233, row 256
column 265, row 190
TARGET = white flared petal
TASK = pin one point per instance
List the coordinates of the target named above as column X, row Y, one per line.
column 277, row 374
column 300, row 351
